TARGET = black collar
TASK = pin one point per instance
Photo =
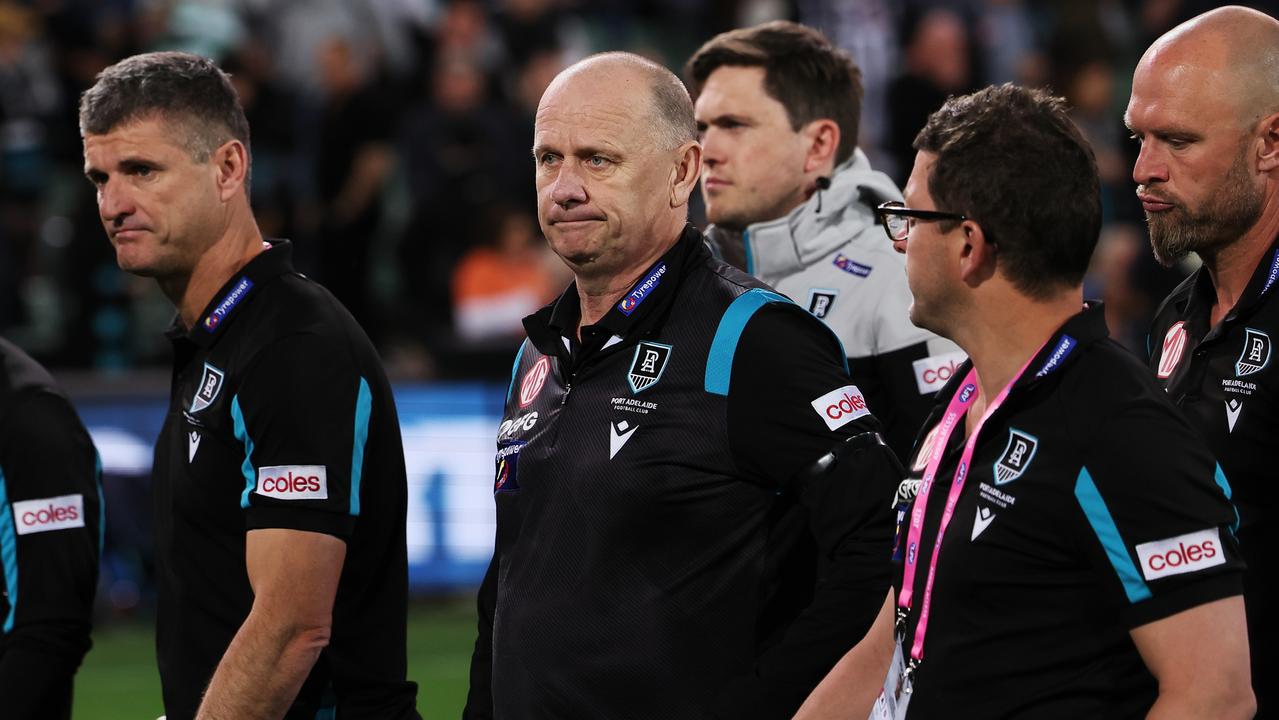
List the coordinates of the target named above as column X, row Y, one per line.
column 242, row 287
column 1201, row 295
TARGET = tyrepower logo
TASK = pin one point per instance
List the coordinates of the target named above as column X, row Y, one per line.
column 931, row 373
column 1185, row 553
column 55, row 513
column 842, row 406
column 293, row 482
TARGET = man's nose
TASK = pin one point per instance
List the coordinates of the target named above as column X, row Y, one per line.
column 569, row 188
column 1151, row 166
column 114, row 201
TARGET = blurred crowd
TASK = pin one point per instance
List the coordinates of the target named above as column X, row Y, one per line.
column 390, row 143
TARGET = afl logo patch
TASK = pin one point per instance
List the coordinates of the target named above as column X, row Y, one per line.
column 648, row 365
column 533, row 381
column 1255, row 355
column 1016, row 457
column 1174, row 346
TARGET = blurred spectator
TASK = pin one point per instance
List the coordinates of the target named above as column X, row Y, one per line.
column 510, row 275
column 937, row 66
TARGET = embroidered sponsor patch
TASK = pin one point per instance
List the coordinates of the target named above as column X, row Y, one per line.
column 820, row 301
column 533, row 381
column 293, row 482
column 840, row 407
column 850, row 266
column 506, row 467
column 641, row 290
column 210, row 386
column 1054, row 361
column 648, row 365
column 1174, row 346
column 931, row 373
column 54, row 513
column 228, row 303
column 1191, row 552
column 1255, row 354
column 1016, row 456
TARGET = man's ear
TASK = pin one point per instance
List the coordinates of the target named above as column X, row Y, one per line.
column 684, row 174
column 976, row 256
column 821, row 138
column 1268, row 154
column 231, row 163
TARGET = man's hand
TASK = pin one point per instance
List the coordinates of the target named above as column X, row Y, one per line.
column 294, row 575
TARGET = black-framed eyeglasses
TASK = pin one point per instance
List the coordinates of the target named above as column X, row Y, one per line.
column 896, row 218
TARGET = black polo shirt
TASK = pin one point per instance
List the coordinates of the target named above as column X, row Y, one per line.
column 661, row 552
column 51, row 521
column 1222, row 379
column 1091, row 508
column 281, row 417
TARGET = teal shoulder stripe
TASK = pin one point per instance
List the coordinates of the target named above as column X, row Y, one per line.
column 515, row 366
column 719, row 363
column 8, row 553
column 102, row 502
column 1224, row 484
column 242, row 434
column 1094, row 507
column 363, row 409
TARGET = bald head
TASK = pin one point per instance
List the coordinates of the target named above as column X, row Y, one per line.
column 1234, row 47
column 668, row 105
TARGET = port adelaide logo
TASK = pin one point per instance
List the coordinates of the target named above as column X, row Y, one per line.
column 1016, row 457
column 1255, row 355
column 648, row 365
column 210, row 386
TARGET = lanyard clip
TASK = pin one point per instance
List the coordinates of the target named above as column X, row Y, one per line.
column 900, row 623
column 908, row 676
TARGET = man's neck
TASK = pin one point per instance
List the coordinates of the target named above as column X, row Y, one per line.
column 193, row 292
column 1005, row 336
column 1232, row 268
column 598, row 293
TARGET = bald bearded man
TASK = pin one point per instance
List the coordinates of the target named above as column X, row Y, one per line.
column 1205, row 108
column 693, row 501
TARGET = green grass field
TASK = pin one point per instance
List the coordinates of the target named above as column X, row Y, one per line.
column 118, row 680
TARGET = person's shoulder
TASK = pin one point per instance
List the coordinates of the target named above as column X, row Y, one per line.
column 1108, row 384
column 19, row 372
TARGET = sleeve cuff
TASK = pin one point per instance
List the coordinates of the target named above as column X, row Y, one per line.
column 340, row 526
column 1165, row 605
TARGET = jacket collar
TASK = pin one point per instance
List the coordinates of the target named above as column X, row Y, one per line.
column 241, row 288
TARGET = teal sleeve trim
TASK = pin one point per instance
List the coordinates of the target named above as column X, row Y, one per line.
column 515, row 366
column 750, row 258
column 363, row 409
column 1103, row 525
column 102, row 502
column 8, row 553
column 719, row 363
column 1224, row 484
column 242, row 434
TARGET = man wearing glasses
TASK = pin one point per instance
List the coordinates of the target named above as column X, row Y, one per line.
column 792, row 201
column 1205, row 108
column 1070, row 552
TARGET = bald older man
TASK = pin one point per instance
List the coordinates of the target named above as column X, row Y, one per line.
column 1205, row 107
column 693, row 499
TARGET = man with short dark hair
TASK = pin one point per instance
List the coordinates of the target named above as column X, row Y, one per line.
column 51, row 524
column 792, row 200
column 674, row 439
column 1069, row 550
column 1205, row 108
column 279, row 474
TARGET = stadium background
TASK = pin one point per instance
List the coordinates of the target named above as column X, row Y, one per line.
column 390, row 143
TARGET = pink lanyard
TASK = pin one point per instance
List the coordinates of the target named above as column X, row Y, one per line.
column 954, row 414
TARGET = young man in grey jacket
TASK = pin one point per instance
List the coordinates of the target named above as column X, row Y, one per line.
column 791, row 200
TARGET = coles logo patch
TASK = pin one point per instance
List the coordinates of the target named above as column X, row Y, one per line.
column 1174, row 346
column 931, row 373
column 293, row 482
column 842, row 406
column 1182, row 554
column 533, row 381
column 55, row 513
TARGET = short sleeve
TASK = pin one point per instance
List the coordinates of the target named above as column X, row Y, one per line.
column 302, row 412
column 790, row 400
column 1156, row 516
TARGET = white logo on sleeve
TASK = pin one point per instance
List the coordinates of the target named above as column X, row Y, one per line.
column 55, row 513
column 842, row 406
column 293, row 482
column 931, row 373
column 1182, row 554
